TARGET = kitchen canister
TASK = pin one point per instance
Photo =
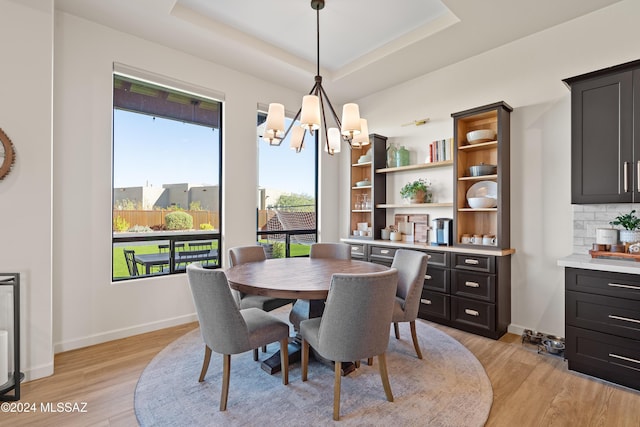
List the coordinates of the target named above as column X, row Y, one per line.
column 606, row 236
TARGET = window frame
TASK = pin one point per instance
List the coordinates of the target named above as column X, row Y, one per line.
column 169, row 237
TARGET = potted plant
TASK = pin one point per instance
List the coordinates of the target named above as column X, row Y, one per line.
column 417, row 191
column 631, row 224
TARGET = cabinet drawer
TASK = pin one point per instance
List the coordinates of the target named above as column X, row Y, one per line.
column 434, row 304
column 384, row 252
column 485, row 263
column 473, row 313
column 357, row 251
column 473, row 285
column 438, row 258
column 610, row 315
column 604, row 356
column 619, row 285
column 437, row 279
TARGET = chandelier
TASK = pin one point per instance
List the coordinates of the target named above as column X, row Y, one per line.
column 313, row 114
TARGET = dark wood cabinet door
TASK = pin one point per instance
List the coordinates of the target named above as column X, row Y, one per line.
column 602, row 157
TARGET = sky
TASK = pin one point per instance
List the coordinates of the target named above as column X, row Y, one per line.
column 156, row 151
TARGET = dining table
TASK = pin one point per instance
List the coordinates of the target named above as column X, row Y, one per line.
column 307, row 280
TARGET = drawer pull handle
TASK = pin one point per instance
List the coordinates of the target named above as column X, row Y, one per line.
column 427, row 277
column 354, row 249
column 471, row 261
column 425, row 301
column 617, row 285
column 428, row 256
column 628, row 359
column 626, row 319
column 471, row 312
column 384, row 251
column 472, row 284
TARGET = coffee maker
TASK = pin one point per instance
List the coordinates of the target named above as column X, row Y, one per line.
column 443, row 231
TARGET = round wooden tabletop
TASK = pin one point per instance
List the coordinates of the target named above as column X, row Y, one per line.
column 294, row 278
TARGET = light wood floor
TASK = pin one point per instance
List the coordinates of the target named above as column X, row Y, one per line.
column 529, row 389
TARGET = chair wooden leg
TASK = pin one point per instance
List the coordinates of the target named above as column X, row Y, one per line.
column 284, row 360
column 382, row 361
column 414, row 336
column 226, row 372
column 305, row 359
column 205, row 363
column 357, row 363
column 336, row 390
column 255, row 354
column 396, row 329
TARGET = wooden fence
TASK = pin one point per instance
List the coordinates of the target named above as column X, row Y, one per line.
column 156, row 217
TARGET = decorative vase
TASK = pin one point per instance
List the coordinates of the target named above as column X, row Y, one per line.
column 630, row 236
column 391, row 156
column 402, row 157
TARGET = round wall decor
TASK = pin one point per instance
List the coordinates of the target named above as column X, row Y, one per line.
column 7, row 154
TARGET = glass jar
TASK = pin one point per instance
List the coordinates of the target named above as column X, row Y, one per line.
column 391, row 156
column 402, row 157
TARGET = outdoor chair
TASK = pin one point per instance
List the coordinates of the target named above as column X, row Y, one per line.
column 132, row 266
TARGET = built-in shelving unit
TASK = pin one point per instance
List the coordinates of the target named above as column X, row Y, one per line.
column 375, row 193
column 495, row 220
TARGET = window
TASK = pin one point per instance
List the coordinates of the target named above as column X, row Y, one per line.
column 287, row 196
column 167, row 146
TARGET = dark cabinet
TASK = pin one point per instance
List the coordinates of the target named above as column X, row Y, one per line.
column 603, row 325
column 605, row 144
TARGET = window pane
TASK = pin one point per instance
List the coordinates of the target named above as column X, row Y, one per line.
column 287, row 195
column 166, row 178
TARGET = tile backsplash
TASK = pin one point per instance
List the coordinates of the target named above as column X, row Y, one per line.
column 587, row 218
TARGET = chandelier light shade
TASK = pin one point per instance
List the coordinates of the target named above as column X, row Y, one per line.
column 334, row 141
column 313, row 117
column 362, row 138
column 297, row 138
column 350, row 120
column 310, row 116
column 274, row 130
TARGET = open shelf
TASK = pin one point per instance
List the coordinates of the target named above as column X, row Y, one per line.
column 416, row 167
column 416, row 205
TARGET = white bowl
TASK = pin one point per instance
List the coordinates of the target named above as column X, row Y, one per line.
column 482, row 135
column 481, row 202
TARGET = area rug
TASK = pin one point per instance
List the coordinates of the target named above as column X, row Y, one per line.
column 448, row 387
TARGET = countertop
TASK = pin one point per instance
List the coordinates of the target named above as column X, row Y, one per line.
column 585, row 262
column 423, row 246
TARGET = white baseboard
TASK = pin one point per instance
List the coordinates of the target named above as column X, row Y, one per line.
column 122, row 333
column 38, row 372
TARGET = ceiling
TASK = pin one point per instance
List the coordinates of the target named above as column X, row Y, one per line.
column 365, row 46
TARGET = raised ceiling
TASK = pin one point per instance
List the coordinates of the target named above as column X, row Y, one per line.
column 365, row 46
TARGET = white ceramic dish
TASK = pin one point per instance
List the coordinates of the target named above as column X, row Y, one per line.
column 363, row 183
column 481, row 135
column 364, row 159
column 487, row 189
column 481, row 202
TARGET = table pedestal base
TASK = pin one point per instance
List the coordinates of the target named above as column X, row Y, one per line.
column 302, row 310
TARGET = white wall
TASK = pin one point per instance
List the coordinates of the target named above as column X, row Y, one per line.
column 26, row 37
column 527, row 75
column 88, row 308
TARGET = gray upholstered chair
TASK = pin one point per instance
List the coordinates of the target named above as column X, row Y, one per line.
column 330, row 250
column 353, row 300
column 412, row 267
column 228, row 330
column 241, row 255
column 255, row 253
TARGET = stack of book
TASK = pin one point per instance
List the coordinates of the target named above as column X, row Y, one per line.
column 440, row 150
